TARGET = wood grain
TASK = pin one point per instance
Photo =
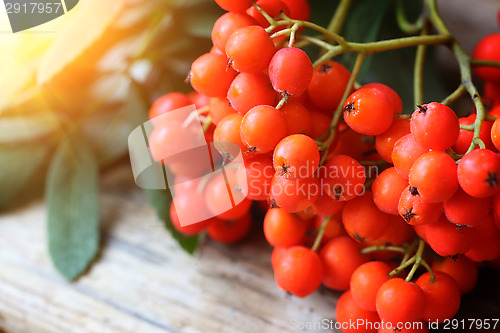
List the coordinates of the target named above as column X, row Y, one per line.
column 143, row 282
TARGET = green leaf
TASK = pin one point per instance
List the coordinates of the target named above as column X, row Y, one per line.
column 161, row 200
column 362, row 25
column 72, row 197
column 18, row 165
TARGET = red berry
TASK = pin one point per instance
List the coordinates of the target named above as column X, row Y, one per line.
column 234, row 5
column 486, row 242
column 326, row 205
column 366, row 281
column 416, row 211
column 249, row 90
column 465, row 137
column 219, row 108
column 283, row 229
column 298, row 118
column 190, row 230
column 462, row 209
column 320, row 123
column 258, row 173
column 262, row 128
column 363, row 220
column 226, row 205
column 231, row 231
column 442, row 296
column 368, row 111
column 488, row 48
column 210, row 76
column 399, row 301
column 396, row 101
column 271, row 7
column 298, row 270
column 227, row 131
column 299, row 9
column 406, row 151
column 435, row 126
column 479, row 173
column 448, row 239
column 168, row 102
column 343, row 177
column 294, row 195
column 461, row 269
column 385, row 142
column 328, row 84
column 349, row 312
column 225, row 26
column 250, row 49
column 495, row 133
column 434, row 174
column 387, row 189
column 198, row 99
column 296, row 156
column 341, row 256
column 290, row 71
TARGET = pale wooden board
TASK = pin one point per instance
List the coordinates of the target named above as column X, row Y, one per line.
column 143, row 282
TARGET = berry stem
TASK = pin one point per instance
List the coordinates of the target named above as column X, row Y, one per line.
column 428, row 268
column 490, row 117
column 383, row 248
column 338, row 19
column 401, row 267
column 464, row 61
column 318, row 42
column 269, row 19
column 281, row 33
column 321, row 232
column 454, row 155
column 479, row 143
column 418, row 259
column 206, row 123
column 282, row 101
column 418, row 71
column 394, row 44
column 467, row 127
column 403, row 116
column 409, row 251
column 404, row 24
column 482, row 63
column 459, row 92
column 293, row 31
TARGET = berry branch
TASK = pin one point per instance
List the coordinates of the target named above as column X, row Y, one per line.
column 418, row 72
column 408, row 260
column 464, row 61
column 321, row 232
column 404, row 24
column 338, row 19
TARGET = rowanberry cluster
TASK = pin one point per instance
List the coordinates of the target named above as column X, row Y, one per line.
column 359, row 203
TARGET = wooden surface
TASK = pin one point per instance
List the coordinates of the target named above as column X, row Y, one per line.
column 142, row 281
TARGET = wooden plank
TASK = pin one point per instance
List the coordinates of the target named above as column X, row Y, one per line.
column 143, row 282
